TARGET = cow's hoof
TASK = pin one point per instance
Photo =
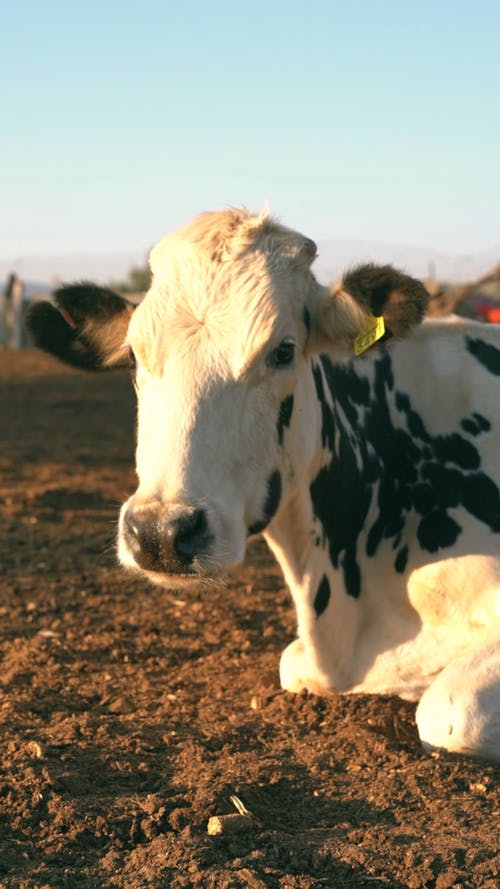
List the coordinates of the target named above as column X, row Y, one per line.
column 297, row 673
column 460, row 711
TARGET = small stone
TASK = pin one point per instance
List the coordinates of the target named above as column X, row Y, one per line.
column 34, row 749
column 226, row 824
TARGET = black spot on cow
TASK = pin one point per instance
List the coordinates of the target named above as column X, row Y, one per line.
column 481, row 498
column 327, row 424
column 401, row 560
column 382, row 463
column 487, row 354
column 271, row 503
column 284, row 416
column 322, row 597
column 437, row 530
column 475, row 425
column 306, row 317
column 414, row 420
column 456, row 449
column 338, row 482
column 483, row 424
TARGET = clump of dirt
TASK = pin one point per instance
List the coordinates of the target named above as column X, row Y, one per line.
column 130, row 715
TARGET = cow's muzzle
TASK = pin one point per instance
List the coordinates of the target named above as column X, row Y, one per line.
column 170, row 542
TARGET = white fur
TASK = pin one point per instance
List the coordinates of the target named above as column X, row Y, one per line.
column 460, row 711
column 226, row 291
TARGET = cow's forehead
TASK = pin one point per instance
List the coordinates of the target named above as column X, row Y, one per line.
column 236, row 293
column 226, row 234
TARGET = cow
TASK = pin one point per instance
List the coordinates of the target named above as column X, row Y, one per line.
column 363, row 444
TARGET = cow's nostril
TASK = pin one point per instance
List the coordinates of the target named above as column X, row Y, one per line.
column 191, row 535
column 131, row 526
column 141, row 534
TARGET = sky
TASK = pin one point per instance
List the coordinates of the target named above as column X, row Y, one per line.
column 119, row 121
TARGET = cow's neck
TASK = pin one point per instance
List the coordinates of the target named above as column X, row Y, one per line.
column 308, row 535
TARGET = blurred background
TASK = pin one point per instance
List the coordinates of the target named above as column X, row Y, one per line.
column 372, row 127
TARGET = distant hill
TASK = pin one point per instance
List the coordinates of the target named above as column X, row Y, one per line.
column 422, row 262
column 42, row 273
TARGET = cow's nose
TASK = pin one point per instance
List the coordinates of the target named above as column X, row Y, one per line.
column 159, row 544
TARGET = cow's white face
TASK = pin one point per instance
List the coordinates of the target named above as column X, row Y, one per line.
column 219, row 347
column 221, row 344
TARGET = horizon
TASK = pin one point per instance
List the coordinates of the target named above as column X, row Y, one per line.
column 131, row 250
column 374, row 121
column 41, row 273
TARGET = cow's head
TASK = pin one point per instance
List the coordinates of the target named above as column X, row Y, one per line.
column 220, row 345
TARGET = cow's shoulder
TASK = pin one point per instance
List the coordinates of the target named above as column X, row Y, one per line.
column 407, row 448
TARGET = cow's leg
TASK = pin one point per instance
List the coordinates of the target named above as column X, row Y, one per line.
column 460, row 711
column 298, row 670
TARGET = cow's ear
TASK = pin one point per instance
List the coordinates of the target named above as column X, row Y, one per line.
column 85, row 326
column 368, row 307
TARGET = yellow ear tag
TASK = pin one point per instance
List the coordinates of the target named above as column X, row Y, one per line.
column 374, row 331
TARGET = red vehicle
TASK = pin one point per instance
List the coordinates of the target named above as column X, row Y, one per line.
column 481, row 305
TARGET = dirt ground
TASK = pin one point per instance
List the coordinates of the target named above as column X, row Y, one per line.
column 131, row 715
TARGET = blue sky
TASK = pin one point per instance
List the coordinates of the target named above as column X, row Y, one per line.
column 374, row 120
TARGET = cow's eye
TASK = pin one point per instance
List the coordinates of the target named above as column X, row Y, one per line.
column 283, row 355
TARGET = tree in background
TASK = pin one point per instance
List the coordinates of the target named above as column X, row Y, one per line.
column 138, row 281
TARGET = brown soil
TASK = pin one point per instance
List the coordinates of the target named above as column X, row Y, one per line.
column 130, row 715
